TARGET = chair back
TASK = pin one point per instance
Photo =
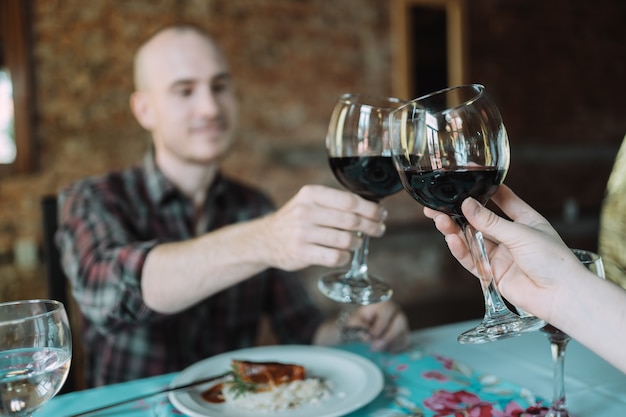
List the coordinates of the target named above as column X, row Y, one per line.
column 58, row 285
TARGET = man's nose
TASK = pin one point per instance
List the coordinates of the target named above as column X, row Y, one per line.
column 207, row 104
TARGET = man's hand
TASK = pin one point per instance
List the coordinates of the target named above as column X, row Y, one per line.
column 318, row 227
column 383, row 325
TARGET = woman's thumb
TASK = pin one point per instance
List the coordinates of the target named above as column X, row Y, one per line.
column 483, row 219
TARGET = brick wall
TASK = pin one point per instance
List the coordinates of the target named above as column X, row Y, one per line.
column 557, row 70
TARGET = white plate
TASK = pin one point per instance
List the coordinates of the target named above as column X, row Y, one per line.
column 355, row 380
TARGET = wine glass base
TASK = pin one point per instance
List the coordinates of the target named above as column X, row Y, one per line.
column 501, row 327
column 342, row 289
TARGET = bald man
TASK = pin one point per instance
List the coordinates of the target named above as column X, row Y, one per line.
column 171, row 261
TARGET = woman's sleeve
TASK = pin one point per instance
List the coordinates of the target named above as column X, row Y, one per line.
column 612, row 233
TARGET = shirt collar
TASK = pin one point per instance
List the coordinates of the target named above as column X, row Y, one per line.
column 161, row 189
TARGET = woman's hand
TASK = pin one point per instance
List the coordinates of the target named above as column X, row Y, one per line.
column 527, row 255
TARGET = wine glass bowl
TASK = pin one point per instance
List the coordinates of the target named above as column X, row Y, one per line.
column 559, row 340
column 450, row 145
column 464, row 151
column 35, row 354
column 359, row 157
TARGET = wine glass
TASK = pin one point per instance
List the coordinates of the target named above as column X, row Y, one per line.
column 447, row 146
column 559, row 340
column 35, row 354
column 360, row 158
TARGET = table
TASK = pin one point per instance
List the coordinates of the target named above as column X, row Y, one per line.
column 593, row 387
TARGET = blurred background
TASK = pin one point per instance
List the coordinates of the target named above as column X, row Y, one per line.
column 556, row 68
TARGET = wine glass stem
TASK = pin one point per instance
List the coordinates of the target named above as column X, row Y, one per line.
column 358, row 268
column 558, row 345
column 494, row 303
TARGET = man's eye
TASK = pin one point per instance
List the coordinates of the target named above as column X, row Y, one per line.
column 184, row 92
column 220, row 87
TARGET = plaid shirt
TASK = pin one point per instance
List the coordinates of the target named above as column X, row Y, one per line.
column 107, row 227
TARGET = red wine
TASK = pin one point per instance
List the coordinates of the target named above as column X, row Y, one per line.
column 371, row 177
column 445, row 190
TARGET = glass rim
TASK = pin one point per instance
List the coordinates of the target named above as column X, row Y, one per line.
column 368, row 100
column 58, row 306
column 478, row 88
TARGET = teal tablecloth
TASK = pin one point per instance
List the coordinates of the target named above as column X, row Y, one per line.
column 418, row 383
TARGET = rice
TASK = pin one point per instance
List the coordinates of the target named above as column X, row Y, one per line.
column 310, row 391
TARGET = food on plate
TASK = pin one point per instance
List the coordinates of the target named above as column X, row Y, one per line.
column 267, row 374
column 268, row 386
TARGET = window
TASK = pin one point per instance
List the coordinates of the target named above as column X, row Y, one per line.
column 16, row 141
column 7, row 130
column 428, row 46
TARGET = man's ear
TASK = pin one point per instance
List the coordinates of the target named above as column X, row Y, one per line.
column 142, row 109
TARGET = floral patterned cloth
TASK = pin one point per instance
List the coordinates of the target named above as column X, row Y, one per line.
column 419, row 383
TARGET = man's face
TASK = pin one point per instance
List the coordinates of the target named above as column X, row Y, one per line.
column 189, row 99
